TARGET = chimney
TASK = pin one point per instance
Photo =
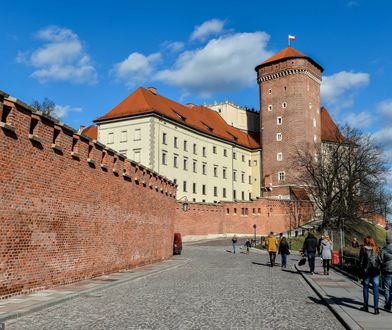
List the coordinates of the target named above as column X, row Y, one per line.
column 152, row 90
column 190, row 105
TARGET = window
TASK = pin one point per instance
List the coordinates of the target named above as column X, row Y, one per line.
column 184, row 186
column 255, row 163
column 194, row 188
column 250, row 179
column 242, row 177
column 234, row 155
column 164, row 158
column 250, row 196
column 185, row 164
column 279, row 156
column 194, row 166
column 204, row 152
column 235, row 211
column 224, row 173
column 253, row 211
column 279, row 120
column 284, row 105
column 242, row 195
column 124, row 136
column 227, row 211
column 234, row 176
column 224, row 192
column 137, row 134
column 249, row 163
column 203, row 189
column 281, row 176
column 215, row 191
column 314, row 122
column 185, row 145
column 270, row 91
column 214, row 149
column 234, row 196
column 175, row 181
column 278, row 136
column 194, row 149
column 225, row 152
column 175, row 142
column 164, row 138
column 215, row 170
column 110, row 138
column 136, row 155
column 204, row 168
column 175, row 161
column 270, row 107
column 258, row 210
column 243, row 158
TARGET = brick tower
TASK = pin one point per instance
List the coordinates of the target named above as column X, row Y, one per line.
column 289, row 85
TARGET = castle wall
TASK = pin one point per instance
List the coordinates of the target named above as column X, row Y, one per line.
column 70, row 208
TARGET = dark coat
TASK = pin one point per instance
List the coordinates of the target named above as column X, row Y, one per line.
column 386, row 259
column 284, row 248
column 365, row 256
column 310, row 244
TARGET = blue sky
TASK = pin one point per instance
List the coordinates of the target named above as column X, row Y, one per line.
column 87, row 56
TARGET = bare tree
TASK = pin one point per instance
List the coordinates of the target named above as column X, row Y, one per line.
column 346, row 177
column 47, row 106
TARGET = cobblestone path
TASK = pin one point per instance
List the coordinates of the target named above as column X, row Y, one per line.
column 215, row 290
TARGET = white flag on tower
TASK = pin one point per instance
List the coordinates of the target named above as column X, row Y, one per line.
column 291, row 38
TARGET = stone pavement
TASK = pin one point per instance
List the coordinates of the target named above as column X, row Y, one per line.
column 215, row 289
column 344, row 296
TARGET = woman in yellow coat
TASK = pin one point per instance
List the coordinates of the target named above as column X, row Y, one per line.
column 271, row 244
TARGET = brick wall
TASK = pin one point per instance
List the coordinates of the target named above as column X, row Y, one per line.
column 214, row 220
column 70, row 208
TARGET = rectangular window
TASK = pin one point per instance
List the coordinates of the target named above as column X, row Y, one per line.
column 184, row 186
column 224, row 192
column 204, row 152
column 235, row 210
column 214, row 149
column 225, row 152
column 234, row 175
column 164, row 157
column 215, row 170
column 185, row 164
column 215, row 191
column 185, row 145
column 164, row 138
column 243, row 158
column 279, row 121
column 204, row 168
column 137, row 134
column 203, row 189
column 249, row 163
column 137, row 155
column 281, row 176
column 194, row 166
column 234, row 194
column 250, row 179
column 242, row 177
column 175, row 181
column 110, row 138
column 194, row 188
column 124, row 136
column 175, row 142
column 279, row 136
column 175, row 161
column 194, row 149
column 224, row 173
column 279, row 156
column 242, row 195
column 234, row 155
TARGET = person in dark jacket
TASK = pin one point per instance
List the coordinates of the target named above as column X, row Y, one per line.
column 309, row 249
column 284, row 251
column 369, row 262
column 386, row 268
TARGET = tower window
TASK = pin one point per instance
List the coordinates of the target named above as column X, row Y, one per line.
column 279, row 136
column 279, row 120
column 270, row 91
column 284, row 105
column 270, row 107
column 279, row 156
column 281, row 176
column 285, row 88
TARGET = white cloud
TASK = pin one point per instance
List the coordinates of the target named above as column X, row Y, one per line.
column 62, row 57
column 136, row 68
column 384, row 137
column 224, row 64
column 339, row 89
column 208, row 28
column 62, row 111
column 174, row 46
column 359, row 120
column 385, row 108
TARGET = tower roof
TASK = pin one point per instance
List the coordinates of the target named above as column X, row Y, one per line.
column 286, row 54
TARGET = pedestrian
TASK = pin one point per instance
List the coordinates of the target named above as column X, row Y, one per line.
column 326, row 253
column 248, row 244
column 284, row 251
column 386, row 268
column 355, row 243
column 319, row 245
column 309, row 249
column 271, row 244
column 234, row 242
column 369, row 262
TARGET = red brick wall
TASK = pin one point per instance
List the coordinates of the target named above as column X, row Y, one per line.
column 203, row 220
column 64, row 219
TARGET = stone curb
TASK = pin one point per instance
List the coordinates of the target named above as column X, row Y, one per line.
column 40, row 306
column 347, row 321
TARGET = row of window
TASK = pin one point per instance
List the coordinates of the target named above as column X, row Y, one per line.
column 124, row 136
column 285, row 88
column 284, row 106
column 244, row 211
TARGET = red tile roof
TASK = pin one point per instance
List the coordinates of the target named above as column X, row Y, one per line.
column 285, row 54
column 203, row 119
column 91, row 132
column 329, row 130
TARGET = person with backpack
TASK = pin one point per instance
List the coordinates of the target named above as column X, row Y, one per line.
column 326, row 253
column 386, row 268
column 248, row 245
column 309, row 250
column 271, row 244
column 284, row 251
column 369, row 262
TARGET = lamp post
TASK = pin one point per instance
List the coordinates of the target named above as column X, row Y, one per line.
column 254, row 228
column 185, row 204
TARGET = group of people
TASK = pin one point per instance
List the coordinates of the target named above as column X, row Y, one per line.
column 274, row 246
column 323, row 247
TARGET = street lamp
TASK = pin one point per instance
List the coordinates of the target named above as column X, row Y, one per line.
column 254, row 228
column 185, row 204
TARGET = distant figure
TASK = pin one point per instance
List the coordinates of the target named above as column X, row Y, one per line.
column 284, row 251
column 355, row 243
column 271, row 244
column 369, row 262
column 386, row 268
column 326, row 253
column 309, row 249
column 234, row 242
column 319, row 246
column 248, row 245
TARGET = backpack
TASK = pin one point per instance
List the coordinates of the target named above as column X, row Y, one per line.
column 372, row 262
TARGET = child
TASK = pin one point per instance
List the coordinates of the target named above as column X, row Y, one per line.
column 248, row 245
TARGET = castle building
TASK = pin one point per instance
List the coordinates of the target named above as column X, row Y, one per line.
column 223, row 152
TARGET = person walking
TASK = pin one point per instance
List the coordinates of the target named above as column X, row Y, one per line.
column 284, row 251
column 326, row 253
column 369, row 262
column 271, row 244
column 234, row 242
column 248, row 244
column 386, row 269
column 309, row 249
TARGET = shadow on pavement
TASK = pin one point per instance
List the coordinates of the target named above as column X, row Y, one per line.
column 347, row 302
